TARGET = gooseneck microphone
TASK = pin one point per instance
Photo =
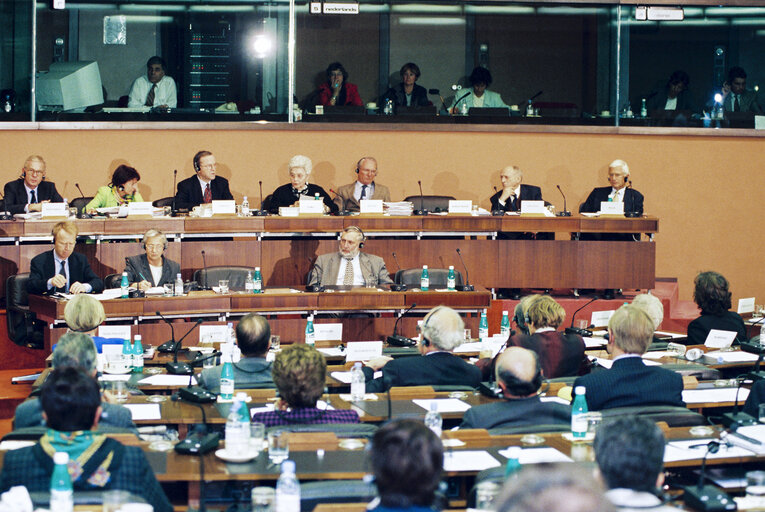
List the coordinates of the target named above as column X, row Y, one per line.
column 401, row 341
column 463, row 97
column 175, row 178
column 176, row 368
column 204, row 268
column 168, row 346
column 78, row 188
column 707, row 498
column 260, row 212
column 577, row 330
column 396, row 287
column 467, row 287
column 422, row 210
column 565, row 212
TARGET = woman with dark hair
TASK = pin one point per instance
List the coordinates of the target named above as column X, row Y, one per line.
column 407, row 462
column 122, row 190
column 674, row 96
column 408, row 93
column 712, row 296
column 337, row 90
column 478, row 96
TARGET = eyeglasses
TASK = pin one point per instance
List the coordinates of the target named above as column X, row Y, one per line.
column 34, row 172
column 155, row 247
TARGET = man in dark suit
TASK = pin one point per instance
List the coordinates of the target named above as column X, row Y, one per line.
column 619, row 192
column 62, row 269
column 513, row 193
column 519, row 376
column 629, row 381
column 442, row 331
column 736, row 97
column 205, row 187
column 27, row 193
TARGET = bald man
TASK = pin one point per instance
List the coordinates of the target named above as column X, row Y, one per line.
column 519, row 376
column 513, row 193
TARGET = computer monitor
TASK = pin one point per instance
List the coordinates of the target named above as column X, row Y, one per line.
column 69, row 86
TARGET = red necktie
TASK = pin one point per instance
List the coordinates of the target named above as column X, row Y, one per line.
column 208, row 194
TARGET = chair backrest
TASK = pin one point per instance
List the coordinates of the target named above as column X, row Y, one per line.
column 528, row 429
column 162, row 202
column 113, row 281
column 16, row 295
column 432, row 203
column 211, row 275
column 266, row 204
column 80, row 203
column 341, row 430
column 438, row 277
column 335, row 491
column 673, row 416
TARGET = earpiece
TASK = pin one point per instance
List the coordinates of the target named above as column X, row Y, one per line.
column 357, row 170
column 356, row 229
column 425, row 342
column 121, row 188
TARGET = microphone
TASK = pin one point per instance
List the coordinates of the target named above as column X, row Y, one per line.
column 495, row 189
column 467, row 287
column 397, row 287
column 168, row 346
column 438, row 93
column 175, row 177
column 176, row 368
column 499, row 212
column 260, row 212
column 343, row 212
column 401, row 341
column 422, row 210
column 463, row 97
column 577, row 330
column 78, row 188
column 707, row 498
column 204, row 268
column 5, row 215
column 565, row 212
column 539, row 93
column 316, row 287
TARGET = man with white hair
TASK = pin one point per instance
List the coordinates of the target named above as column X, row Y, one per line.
column 513, row 192
column 442, row 331
column 620, row 191
column 652, row 306
column 349, row 196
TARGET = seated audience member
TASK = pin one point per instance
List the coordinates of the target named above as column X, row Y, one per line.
column 349, row 266
column 674, row 96
column 84, row 314
column 521, row 318
column 78, row 351
column 442, row 331
column 407, row 93
column 349, row 196
column 253, row 335
column 71, row 406
column 300, row 372
column 561, row 355
column 27, row 193
column 407, row 463
column 152, row 268
column 630, row 455
column 712, row 295
column 755, row 399
column 736, row 97
column 618, row 192
column 205, row 187
column 62, row 269
column 479, row 96
column 653, row 307
column 559, row 487
column 300, row 168
column 520, row 378
column 629, row 381
column 122, row 190
column 156, row 89
column 337, row 90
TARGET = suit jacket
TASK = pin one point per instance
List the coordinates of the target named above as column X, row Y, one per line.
column 699, row 328
column 630, row 382
column 528, row 193
column 519, row 412
column 16, row 197
column 326, row 267
column 305, row 416
column 43, row 267
column 659, row 101
column 283, row 196
column 755, row 398
column 432, row 369
column 248, row 371
column 560, row 355
column 190, row 192
column 137, row 268
column 29, row 414
column 397, row 94
column 747, row 102
column 633, row 200
column 346, row 201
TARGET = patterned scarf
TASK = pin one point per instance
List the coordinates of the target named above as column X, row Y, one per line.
column 81, row 446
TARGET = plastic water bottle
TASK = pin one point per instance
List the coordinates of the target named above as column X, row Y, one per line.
column 513, row 460
column 227, row 378
column 464, row 108
column 310, row 335
column 451, row 279
column 137, row 355
column 249, row 284
column 61, row 492
column 424, row 279
column 433, row 419
column 238, row 426
column 127, row 353
column 762, row 333
column 483, row 326
column 504, row 326
column 124, row 284
column 643, row 108
column 245, row 207
column 529, row 109
column 579, row 413
column 257, row 281
column 178, row 285
column 358, row 383
column 288, row 489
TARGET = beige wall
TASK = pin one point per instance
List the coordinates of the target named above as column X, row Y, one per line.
column 704, row 189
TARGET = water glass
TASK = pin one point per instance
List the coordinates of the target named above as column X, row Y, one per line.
column 275, row 342
column 755, row 484
column 119, row 390
column 263, row 499
column 594, row 419
column 485, row 494
column 113, row 500
column 278, row 446
column 257, row 435
column 168, row 287
column 468, row 335
column 209, row 362
column 73, row 212
column 223, row 286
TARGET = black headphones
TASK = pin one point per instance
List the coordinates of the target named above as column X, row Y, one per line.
column 356, row 229
column 425, row 341
column 521, row 319
column 24, row 174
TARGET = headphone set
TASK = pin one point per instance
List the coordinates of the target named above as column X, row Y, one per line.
column 425, row 342
column 356, row 229
column 24, row 174
column 521, row 319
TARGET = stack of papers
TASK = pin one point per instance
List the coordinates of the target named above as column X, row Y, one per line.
column 696, row 448
column 404, row 208
column 732, row 356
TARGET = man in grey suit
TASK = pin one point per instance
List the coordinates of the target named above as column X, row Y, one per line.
column 349, row 266
column 349, row 196
column 519, row 376
column 736, row 97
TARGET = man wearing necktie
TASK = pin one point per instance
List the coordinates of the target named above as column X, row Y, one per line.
column 155, row 89
column 349, row 266
column 349, row 196
column 62, row 269
column 205, row 187
column 736, row 97
column 28, row 193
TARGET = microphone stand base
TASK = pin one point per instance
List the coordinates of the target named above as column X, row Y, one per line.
column 465, row 288
column 259, row 213
column 420, row 212
column 707, row 499
column 401, row 341
column 179, row 369
column 167, row 347
column 739, row 419
column 564, row 213
column 197, row 395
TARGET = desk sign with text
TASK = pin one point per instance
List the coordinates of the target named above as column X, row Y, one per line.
column 140, row 208
column 601, row 318
column 54, row 210
column 213, row 333
column 328, row 332
column 289, row 211
column 362, row 350
column 745, row 305
column 460, row 206
column 311, row 205
column 719, row 339
column 533, row 207
column 224, row 207
column 114, row 331
column 611, row 208
column 371, row 206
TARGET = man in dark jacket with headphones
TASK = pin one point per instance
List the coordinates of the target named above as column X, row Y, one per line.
column 27, row 193
column 519, row 376
column 205, row 187
column 349, row 266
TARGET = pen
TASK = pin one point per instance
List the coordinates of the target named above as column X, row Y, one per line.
column 746, row 438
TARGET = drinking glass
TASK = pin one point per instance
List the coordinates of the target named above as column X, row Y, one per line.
column 278, row 446
column 223, row 285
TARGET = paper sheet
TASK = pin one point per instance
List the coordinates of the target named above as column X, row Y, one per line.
column 345, row 377
column 168, row 380
column 367, row 396
column 144, row 411
column 332, row 351
column 697, row 396
column 672, row 335
column 443, row 404
column 114, row 378
column 594, row 342
column 469, row 460
column 681, row 450
column 538, row 455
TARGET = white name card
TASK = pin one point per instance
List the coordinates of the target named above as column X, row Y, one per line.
column 362, row 350
column 289, row 211
column 719, row 339
column 371, row 206
column 611, row 208
column 460, row 206
column 533, row 207
column 213, row 333
column 224, row 207
column 140, row 208
column 114, row 331
column 54, row 210
column 601, row 318
column 328, row 332
column 745, row 305
column 311, row 205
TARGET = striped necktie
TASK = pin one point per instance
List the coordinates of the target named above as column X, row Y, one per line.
column 150, row 96
column 348, row 277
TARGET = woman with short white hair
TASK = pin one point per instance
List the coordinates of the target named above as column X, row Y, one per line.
column 152, row 268
column 300, row 168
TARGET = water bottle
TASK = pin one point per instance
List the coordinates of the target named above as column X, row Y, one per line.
column 127, row 354
column 249, row 284
column 245, row 207
column 504, row 326
column 227, row 378
column 257, row 281
column 579, row 414
column 178, row 285
column 137, row 355
column 762, row 333
column 61, row 492
column 483, row 326
column 238, row 426
column 424, row 279
column 529, row 109
column 643, row 108
column 464, row 108
column 317, row 196
column 433, row 419
column 451, row 279
column 513, row 460
column 124, row 284
column 358, row 383
column 288, row 489
column 388, row 108
column 310, row 335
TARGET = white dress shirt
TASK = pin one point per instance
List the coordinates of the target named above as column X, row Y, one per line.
column 357, row 191
column 164, row 95
column 617, row 196
column 517, row 193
